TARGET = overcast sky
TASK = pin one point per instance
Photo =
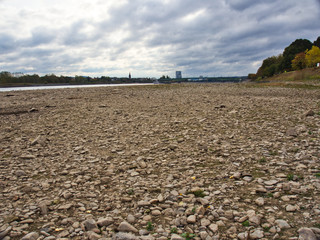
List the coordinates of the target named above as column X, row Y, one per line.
column 150, row 38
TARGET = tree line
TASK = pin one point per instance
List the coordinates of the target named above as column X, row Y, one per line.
column 8, row 79
column 300, row 54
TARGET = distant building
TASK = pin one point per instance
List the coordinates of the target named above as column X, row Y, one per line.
column 129, row 75
column 178, row 75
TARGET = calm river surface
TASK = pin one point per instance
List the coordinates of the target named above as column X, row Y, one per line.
column 9, row 89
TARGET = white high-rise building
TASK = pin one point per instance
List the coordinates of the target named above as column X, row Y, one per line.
column 178, row 74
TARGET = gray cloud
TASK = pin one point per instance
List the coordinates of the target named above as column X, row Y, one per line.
column 225, row 37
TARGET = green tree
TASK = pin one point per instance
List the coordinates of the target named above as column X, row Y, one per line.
column 299, row 62
column 298, row 46
column 313, row 56
column 317, row 42
column 270, row 66
column 5, row 77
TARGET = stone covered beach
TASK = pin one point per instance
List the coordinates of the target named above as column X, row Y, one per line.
column 179, row 161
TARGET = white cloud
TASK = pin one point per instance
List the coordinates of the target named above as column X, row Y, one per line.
column 149, row 38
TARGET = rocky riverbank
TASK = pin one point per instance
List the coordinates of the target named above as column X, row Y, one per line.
column 189, row 161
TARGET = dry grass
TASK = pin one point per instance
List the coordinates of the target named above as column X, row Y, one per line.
column 305, row 79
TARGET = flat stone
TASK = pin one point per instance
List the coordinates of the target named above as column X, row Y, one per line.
column 257, row 234
column 176, row 237
column 205, row 222
column 31, row 236
column 124, row 236
column 90, row 224
column 306, row 234
column 259, row 201
column 155, row 213
column 191, row 219
column 213, row 227
column 291, row 208
column 282, row 224
column 127, row 227
column 271, row 182
column 93, row 236
column 102, row 222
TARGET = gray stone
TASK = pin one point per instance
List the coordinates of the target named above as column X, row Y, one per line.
column 20, row 173
column 127, row 227
column 205, row 222
column 291, row 208
column 271, row 182
column 131, row 218
column 213, row 227
column 43, row 208
column 306, row 234
column 260, row 201
column 292, row 132
column 176, row 237
column 92, row 235
column 191, row 219
column 243, row 236
column 31, row 236
column 90, row 224
column 105, row 221
column 257, row 234
column 282, row 224
column 124, row 236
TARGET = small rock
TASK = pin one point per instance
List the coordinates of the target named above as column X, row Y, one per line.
column 93, row 236
column 205, row 222
column 282, row 224
column 255, row 220
column 176, row 237
column 292, row 132
column 243, row 236
column 20, row 173
column 131, row 218
column 291, row 208
column 259, row 201
column 155, row 213
column 90, row 224
column 5, row 232
column 127, row 227
column 306, row 234
column 271, row 182
column 31, row 236
column 43, row 208
column 213, row 227
column 257, row 234
column 124, row 236
column 105, row 221
column 191, row 219
column 308, row 113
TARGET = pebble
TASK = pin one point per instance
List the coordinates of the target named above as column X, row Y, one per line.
column 282, row 224
column 164, row 156
column 31, row 236
column 191, row 219
column 127, row 227
column 307, row 234
column 259, row 201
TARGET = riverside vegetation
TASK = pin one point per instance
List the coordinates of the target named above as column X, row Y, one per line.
column 179, row 161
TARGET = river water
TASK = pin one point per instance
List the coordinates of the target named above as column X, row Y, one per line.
column 9, row 89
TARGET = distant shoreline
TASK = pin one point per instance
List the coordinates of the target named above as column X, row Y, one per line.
column 64, row 86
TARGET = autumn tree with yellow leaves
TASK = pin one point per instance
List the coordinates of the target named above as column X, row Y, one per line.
column 299, row 62
column 313, row 56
